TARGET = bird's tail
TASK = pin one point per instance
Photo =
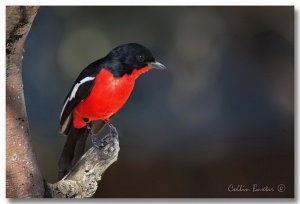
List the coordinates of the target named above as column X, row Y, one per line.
column 75, row 144
column 72, row 150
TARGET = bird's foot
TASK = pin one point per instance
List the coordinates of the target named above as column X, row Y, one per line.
column 95, row 140
column 112, row 130
column 102, row 142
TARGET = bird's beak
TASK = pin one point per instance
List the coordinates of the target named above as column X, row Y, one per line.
column 157, row 65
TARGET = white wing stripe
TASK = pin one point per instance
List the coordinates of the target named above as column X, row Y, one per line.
column 79, row 84
column 73, row 93
column 64, row 107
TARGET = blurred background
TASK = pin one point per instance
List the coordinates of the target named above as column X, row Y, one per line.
column 223, row 112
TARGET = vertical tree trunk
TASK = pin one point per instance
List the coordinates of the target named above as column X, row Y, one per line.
column 23, row 177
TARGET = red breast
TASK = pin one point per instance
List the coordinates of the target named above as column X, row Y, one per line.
column 107, row 96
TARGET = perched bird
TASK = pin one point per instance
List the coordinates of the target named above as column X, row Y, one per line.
column 98, row 93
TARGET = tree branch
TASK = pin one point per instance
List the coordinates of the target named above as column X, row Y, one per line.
column 82, row 180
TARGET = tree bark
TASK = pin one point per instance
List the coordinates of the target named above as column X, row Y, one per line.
column 23, row 176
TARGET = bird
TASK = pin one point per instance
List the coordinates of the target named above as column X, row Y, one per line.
column 98, row 93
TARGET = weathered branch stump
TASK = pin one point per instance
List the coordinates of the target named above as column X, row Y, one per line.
column 82, row 180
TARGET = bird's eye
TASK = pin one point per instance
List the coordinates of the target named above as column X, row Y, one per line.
column 140, row 58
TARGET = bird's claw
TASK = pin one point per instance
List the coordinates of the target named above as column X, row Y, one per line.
column 113, row 131
column 100, row 143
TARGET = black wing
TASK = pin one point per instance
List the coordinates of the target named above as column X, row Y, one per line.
column 79, row 91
